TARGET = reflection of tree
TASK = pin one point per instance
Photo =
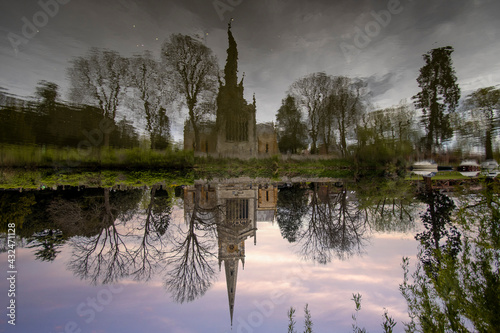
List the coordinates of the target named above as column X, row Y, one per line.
column 335, row 224
column 462, row 293
column 151, row 249
column 291, row 209
column 47, row 244
column 191, row 273
column 437, row 224
column 389, row 204
column 103, row 257
column 14, row 209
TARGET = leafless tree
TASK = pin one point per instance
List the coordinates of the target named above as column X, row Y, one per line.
column 195, row 75
column 151, row 250
column 104, row 257
column 192, row 273
column 335, row 225
column 310, row 93
column 100, row 79
column 341, row 111
column 153, row 95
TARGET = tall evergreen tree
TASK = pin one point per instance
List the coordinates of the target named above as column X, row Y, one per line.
column 439, row 95
column 292, row 130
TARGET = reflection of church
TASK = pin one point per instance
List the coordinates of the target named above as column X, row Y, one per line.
column 235, row 133
column 240, row 207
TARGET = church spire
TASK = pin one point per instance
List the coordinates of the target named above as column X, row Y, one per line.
column 231, row 68
column 231, row 267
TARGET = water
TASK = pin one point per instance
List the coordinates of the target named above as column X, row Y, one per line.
column 194, row 258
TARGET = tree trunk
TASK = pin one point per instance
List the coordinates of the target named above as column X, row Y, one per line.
column 489, row 144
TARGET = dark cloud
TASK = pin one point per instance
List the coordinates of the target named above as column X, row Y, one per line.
column 278, row 40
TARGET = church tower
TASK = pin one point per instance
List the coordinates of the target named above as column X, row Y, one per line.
column 236, row 119
column 237, row 223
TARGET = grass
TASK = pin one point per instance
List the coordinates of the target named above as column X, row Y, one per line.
column 22, row 156
column 274, row 168
column 49, row 178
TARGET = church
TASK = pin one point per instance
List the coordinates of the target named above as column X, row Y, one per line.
column 234, row 207
column 235, row 133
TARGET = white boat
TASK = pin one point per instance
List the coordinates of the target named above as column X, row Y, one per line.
column 469, row 168
column 425, row 168
column 490, row 168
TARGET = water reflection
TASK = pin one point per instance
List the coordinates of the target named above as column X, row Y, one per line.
column 130, row 233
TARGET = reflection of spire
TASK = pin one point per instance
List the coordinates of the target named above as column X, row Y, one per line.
column 231, row 266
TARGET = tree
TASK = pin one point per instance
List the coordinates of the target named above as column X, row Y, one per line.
column 341, row 111
column 100, row 79
column 152, row 92
column 292, row 131
column 191, row 265
column 48, row 93
column 484, row 107
column 291, row 209
column 335, row 224
column 310, row 93
column 195, row 72
column 387, row 135
column 439, row 95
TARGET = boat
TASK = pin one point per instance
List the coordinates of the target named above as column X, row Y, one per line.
column 490, row 168
column 425, row 168
column 469, row 168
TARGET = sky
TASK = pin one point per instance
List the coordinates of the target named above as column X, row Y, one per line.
column 279, row 41
column 275, row 278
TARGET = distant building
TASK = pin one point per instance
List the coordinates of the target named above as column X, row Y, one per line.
column 235, row 132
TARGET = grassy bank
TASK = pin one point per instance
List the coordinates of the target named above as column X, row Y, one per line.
column 50, row 178
column 30, row 157
column 274, row 168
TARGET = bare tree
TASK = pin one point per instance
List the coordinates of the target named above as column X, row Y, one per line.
column 99, row 79
column 191, row 273
column 335, row 225
column 104, row 257
column 310, row 93
column 341, row 111
column 195, row 75
column 153, row 92
column 152, row 241
column 483, row 106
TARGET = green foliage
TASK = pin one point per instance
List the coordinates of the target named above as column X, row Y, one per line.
column 291, row 320
column 14, row 209
column 386, row 137
column 461, row 293
column 307, row 320
column 50, row 157
column 291, row 208
column 389, row 323
column 439, row 95
column 292, row 130
column 357, row 303
column 308, row 324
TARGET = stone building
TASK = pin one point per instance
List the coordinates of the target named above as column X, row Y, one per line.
column 235, row 208
column 235, row 132
column 267, row 140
